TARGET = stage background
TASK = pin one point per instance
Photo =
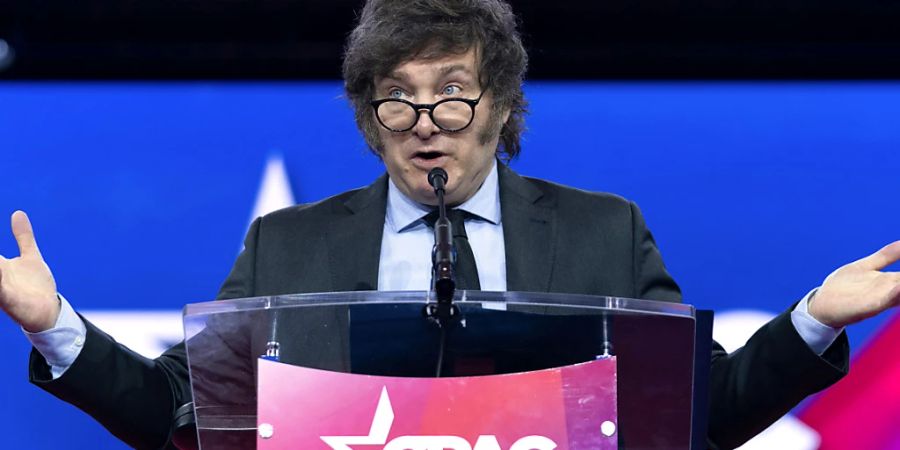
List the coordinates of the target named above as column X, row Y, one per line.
column 141, row 192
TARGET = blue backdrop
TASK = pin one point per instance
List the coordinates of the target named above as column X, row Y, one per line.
column 140, row 193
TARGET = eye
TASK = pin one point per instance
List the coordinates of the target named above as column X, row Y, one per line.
column 395, row 93
column 451, row 90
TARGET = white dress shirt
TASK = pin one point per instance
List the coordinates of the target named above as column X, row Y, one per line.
column 405, row 263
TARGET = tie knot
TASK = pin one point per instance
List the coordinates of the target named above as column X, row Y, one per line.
column 465, row 268
column 457, row 218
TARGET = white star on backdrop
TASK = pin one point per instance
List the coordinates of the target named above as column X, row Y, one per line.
column 150, row 333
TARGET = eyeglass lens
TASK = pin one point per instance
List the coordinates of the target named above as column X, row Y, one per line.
column 451, row 115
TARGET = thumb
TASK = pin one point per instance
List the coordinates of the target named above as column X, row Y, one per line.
column 888, row 255
column 21, row 228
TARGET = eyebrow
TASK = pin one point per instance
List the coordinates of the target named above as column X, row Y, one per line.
column 447, row 70
column 442, row 72
column 395, row 75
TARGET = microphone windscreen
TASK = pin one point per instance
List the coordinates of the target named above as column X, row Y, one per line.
column 437, row 178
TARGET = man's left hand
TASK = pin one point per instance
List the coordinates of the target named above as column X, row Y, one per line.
column 858, row 290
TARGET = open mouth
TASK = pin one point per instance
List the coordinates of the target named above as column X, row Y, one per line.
column 429, row 155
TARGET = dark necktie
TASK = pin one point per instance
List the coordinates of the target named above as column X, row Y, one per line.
column 466, row 270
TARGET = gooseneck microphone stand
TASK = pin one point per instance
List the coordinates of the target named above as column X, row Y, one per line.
column 443, row 258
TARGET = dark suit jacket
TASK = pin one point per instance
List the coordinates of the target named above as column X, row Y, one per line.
column 558, row 239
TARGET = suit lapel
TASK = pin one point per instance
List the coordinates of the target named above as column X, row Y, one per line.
column 529, row 232
column 354, row 239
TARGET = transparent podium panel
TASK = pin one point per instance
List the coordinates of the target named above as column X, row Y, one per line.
column 653, row 346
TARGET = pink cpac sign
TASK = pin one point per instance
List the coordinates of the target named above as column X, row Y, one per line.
column 567, row 408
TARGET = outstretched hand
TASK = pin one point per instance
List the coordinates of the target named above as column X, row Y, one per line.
column 858, row 290
column 27, row 288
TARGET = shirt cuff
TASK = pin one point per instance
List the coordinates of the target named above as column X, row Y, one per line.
column 61, row 344
column 817, row 335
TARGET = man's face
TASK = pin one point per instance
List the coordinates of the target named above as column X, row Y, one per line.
column 466, row 155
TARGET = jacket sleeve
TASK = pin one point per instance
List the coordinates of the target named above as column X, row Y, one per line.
column 134, row 397
column 652, row 280
column 241, row 282
column 754, row 386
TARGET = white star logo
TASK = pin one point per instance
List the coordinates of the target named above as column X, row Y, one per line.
column 378, row 432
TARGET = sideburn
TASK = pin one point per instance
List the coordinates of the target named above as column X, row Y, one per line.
column 493, row 127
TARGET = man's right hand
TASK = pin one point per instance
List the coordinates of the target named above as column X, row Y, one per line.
column 27, row 288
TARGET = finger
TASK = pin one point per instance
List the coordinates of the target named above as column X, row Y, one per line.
column 21, row 228
column 888, row 255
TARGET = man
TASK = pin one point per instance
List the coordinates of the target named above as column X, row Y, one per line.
column 437, row 83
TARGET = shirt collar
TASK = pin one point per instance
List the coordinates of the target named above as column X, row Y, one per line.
column 403, row 212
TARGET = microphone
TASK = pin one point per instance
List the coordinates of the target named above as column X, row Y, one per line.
column 443, row 279
column 437, row 178
column 443, row 257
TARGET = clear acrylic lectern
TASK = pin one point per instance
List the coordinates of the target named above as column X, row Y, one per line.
column 656, row 374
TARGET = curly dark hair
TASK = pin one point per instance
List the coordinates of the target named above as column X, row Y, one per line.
column 391, row 32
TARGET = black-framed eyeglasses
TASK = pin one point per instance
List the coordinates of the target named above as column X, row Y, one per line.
column 449, row 114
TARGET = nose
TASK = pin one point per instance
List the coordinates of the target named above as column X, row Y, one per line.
column 425, row 127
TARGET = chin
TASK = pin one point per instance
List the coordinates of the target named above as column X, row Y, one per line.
column 454, row 199
column 425, row 195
